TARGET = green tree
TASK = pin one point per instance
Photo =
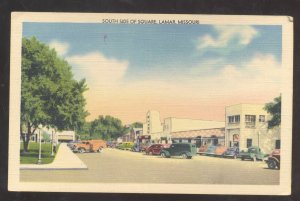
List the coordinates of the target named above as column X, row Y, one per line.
column 50, row 96
column 45, row 136
column 137, row 125
column 274, row 108
column 104, row 127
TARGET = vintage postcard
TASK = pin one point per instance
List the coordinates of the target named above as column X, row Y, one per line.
column 151, row 103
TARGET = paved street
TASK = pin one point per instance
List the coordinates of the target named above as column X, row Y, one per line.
column 116, row 166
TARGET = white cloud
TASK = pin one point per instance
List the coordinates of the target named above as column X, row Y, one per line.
column 61, row 47
column 225, row 34
column 98, row 69
column 259, row 75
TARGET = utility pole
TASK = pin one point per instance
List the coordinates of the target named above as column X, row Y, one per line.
column 40, row 148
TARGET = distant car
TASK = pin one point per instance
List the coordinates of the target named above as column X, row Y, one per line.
column 220, row 150
column 125, row 145
column 203, row 149
column 185, row 150
column 155, row 149
column 273, row 159
column 111, row 144
column 231, row 152
column 90, row 146
column 211, row 150
column 252, row 153
column 72, row 144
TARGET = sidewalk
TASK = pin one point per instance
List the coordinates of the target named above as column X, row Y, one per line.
column 65, row 160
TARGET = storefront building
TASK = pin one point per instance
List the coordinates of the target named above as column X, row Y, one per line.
column 215, row 136
column 246, row 126
column 180, row 129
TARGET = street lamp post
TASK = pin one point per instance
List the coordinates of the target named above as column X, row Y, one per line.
column 258, row 134
column 52, row 153
column 40, row 148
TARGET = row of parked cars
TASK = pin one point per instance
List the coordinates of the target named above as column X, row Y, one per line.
column 188, row 150
column 252, row 153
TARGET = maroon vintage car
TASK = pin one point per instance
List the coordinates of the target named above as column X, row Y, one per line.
column 155, row 149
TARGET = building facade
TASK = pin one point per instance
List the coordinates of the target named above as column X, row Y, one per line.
column 132, row 135
column 65, row 136
column 184, row 130
column 153, row 126
column 50, row 134
column 214, row 136
column 246, row 125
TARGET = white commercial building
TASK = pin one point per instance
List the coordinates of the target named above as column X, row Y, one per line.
column 246, row 125
column 153, row 126
column 51, row 134
column 180, row 129
column 65, row 136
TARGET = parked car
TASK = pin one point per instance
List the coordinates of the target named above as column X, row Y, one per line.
column 111, row 144
column 252, row 153
column 89, row 146
column 125, row 145
column 211, row 150
column 273, row 159
column 72, row 144
column 220, row 150
column 155, row 149
column 203, row 149
column 185, row 150
column 231, row 152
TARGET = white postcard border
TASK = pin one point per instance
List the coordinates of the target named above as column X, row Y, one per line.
column 14, row 184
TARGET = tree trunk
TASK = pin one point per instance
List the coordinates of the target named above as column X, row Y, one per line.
column 26, row 138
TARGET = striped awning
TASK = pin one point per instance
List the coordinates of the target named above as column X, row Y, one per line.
column 204, row 133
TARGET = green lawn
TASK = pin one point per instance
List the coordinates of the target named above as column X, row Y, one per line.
column 33, row 153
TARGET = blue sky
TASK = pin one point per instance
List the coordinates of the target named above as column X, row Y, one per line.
column 150, row 46
column 167, row 56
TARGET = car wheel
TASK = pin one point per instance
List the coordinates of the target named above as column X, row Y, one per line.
column 184, row 156
column 81, row 151
column 272, row 164
column 190, row 157
column 163, row 155
column 99, row 150
column 242, row 158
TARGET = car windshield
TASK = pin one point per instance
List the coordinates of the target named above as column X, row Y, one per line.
column 252, row 150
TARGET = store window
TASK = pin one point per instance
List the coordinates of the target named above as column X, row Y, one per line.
column 234, row 119
column 249, row 143
column 262, row 118
column 250, row 118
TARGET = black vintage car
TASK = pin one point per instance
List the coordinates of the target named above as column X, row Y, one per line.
column 185, row 150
